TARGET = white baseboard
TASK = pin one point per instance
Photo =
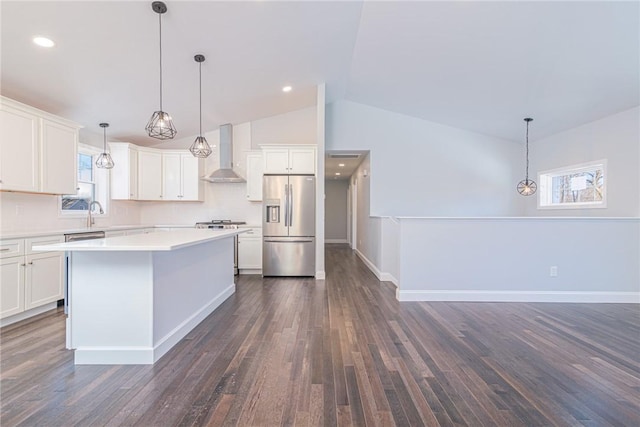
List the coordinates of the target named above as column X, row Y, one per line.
column 320, row 275
column 520, row 296
column 336, row 241
column 382, row 276
column 369, row 264
column 113, row 356
column 388, row 277
column 29, row 313
column 244, row 271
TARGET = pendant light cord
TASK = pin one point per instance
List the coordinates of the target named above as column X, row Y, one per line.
column 200, row 78
column 160, row 20
column 104, row 143
column 526, row 176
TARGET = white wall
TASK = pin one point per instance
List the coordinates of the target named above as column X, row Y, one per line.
column 295, row 127
column 367, row 244
column 509, row 259
column 23, row 212
column 615, row 138
column 423, row 168
column 390, row 250
column 335, row 226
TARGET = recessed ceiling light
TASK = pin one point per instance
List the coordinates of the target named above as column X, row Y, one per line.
column 337, row 173
column 341, row 165
column 43, row 41
column 287, row 89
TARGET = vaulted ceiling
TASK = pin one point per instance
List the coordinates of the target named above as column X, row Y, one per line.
column 481, row 66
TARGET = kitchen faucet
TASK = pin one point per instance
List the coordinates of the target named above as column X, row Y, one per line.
column 90, row 220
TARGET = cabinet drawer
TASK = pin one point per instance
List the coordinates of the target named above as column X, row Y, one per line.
column 9, row 248
column 44, row 240
column 253, row 233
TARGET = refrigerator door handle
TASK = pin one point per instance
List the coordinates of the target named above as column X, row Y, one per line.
column 290, row 205
column 286, row 205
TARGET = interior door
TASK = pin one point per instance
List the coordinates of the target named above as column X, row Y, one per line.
column 302, row 205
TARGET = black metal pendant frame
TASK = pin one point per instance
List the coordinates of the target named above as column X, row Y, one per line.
column 104, row 160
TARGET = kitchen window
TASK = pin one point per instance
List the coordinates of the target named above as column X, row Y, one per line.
column 574, row 187
column 92, row 185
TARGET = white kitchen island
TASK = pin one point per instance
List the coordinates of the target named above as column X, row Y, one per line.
column 132, row 298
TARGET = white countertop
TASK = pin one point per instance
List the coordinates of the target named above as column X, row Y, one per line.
column 37, row 233
column 158, row 241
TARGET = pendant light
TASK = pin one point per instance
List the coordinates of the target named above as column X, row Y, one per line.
column 200, row 147
column 160, row 124
column 527, row 187
column 104, row 160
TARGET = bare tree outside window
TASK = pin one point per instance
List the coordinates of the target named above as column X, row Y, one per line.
column 580, row 186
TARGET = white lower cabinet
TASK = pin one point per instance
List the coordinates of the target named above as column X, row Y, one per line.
column 250, row 250
column 11, row 286
column 44, row 279
column 29, row 279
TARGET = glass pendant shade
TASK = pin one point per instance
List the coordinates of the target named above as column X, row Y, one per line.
column 104, row 160
column 527, row 187
column 200, row 147
column 161, row 126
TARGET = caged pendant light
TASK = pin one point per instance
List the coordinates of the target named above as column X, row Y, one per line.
column 160, row 124
column 527, row 187
column 200, row 147
column 104, row 160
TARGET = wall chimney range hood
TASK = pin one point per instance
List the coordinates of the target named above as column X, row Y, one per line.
column 225, row 173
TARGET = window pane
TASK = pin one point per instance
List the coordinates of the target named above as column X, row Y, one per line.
column 85, row 167
column 80, row 201
column 580, row 185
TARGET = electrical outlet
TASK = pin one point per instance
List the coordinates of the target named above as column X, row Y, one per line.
column 553, row 271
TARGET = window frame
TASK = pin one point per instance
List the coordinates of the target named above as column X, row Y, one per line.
column 545, row 186
column 100, row 182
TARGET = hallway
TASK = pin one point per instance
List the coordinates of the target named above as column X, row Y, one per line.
column 343, row 352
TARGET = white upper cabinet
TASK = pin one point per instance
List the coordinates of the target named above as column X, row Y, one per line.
column 254, row 176
column 191, row 169
column 181, row 176
column 171, row 179
column 149, row 175
column 124, row 175
column 288, row 160
column 38, row 151
column 59, row 158
column 142, row 173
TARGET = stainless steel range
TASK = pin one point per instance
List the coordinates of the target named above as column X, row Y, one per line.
column 218, row 224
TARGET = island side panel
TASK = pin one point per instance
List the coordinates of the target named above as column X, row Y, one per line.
column 189, row 284
column 110, row 310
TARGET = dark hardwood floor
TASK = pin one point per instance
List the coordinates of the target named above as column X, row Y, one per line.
column 343, row 352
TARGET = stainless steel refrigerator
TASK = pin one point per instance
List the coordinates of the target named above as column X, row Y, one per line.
column 288, row 225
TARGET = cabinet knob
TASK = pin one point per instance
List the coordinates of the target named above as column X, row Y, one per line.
column 31, row 263
column 23, row 265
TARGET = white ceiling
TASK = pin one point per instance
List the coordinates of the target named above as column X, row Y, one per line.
column 481, row 66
